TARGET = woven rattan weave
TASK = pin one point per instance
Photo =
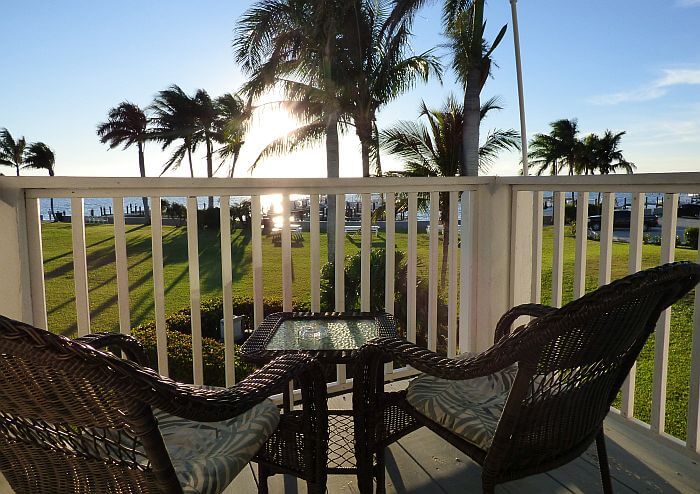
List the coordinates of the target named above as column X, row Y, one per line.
column 571, row 363
column 75, row 419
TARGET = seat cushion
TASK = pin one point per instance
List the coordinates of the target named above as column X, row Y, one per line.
column 207, row 456
column 469, row 408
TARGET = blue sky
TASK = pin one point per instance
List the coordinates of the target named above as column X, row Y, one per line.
column 624, row 65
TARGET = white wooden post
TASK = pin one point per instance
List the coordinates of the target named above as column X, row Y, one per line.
column 492, row 292
column 521, row 248
column 15, row 290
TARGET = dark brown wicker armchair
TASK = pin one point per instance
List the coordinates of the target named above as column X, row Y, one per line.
column 75, row 419
column 533, row 401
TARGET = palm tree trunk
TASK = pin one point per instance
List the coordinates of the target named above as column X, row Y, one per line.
column 17, row 166
column 470, row 130
column 332, row 170
column 364, row 145
column 233, row 165
column 189, row 156
column 210, row 169
column 142, row 171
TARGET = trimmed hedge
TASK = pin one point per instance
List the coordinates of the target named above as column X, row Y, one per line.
column 212, row 311
column 179, row 329
column 691, row 237
column 180, row 356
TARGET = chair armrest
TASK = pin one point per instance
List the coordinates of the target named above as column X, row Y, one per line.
column 133, row 350
column 506, row 321
column 379, row 350
column 213, row 405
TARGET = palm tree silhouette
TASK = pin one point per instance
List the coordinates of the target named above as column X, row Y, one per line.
column 12, row 151
column 379, row 70
column 127, row 125
column 174, row 118
column 40, row 157
column 296, row 46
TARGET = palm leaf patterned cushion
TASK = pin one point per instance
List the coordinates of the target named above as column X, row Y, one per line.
column 469, row 408
column 207, row 456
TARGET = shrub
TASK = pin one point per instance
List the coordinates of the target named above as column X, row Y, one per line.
column 180, row 356
column 212, row 311
column 691, row 237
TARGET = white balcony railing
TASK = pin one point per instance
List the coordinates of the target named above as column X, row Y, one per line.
column 496, row 262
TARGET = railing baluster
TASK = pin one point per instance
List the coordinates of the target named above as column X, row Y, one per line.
column 538, row 212
column 558, row 251
column 606, row 237
column 340, row 266
column 581, row 244
column 315, row 250
column 286, row 256
column 635, row 264
column 467, row 341
column 158, row 285
column 365, row 250
column 82, row 303
column 411, row 276
column 390, row 270
column 227, row 289
column 693, row 441
column 453, row 282
column 433, row 274
column 390, row 246
column 122, row 265
column 36, row 264
column 537, row 246
column 256, row 246
column 663, row 326
column 195, row 295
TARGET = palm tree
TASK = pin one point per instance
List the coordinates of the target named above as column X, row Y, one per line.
column 232, row 114
column 560, row 148
column 379, row 70
column 12, row 151
column 40, row 157
column 435, row 150
column 174, row 118
column 127, row 125
column 606, row 152
column 295, row 45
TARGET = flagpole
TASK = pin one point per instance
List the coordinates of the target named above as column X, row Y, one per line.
column 519, row 71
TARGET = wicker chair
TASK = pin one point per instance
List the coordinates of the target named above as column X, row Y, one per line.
column 75, row 419
column 533, row 401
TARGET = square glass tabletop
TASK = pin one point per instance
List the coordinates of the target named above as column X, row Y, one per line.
column 323, row 334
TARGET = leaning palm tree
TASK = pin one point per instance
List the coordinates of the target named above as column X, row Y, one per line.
column 40, row 157
column 127, row 125
column 232, row 117
column 435, row 150
column 174, row 119
column 12, row 151
column 379, row 70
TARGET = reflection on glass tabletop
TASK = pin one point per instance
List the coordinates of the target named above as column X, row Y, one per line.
column 320, row 334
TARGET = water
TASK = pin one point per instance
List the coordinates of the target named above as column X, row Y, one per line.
column 92, row 205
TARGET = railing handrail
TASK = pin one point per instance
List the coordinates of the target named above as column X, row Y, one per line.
column 67, row 186
column 172, row 186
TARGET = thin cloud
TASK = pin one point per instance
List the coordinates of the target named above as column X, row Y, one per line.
column 653, row 90
column 688, row 3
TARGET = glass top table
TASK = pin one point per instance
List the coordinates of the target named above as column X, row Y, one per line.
column 332, row 336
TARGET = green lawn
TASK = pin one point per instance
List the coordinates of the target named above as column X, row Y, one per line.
column 103, row 291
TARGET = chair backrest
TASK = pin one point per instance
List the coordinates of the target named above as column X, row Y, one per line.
column 573, row 361
column 74, row 419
